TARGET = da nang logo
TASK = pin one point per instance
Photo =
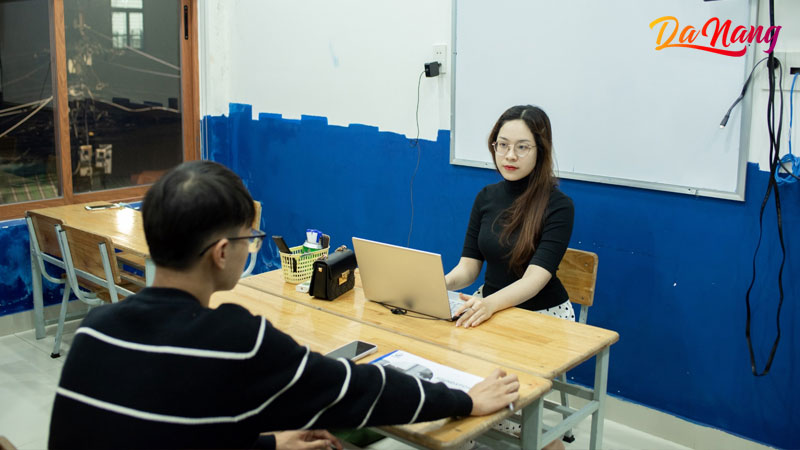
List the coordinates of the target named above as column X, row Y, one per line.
column 715, row 36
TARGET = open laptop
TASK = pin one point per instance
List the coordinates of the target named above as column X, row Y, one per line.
column 404, row 278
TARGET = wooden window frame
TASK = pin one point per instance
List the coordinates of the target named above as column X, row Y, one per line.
column 190, row 113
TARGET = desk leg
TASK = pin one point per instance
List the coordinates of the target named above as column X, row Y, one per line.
column 600, row 382
column 531, row 434
column 38, row 301
column 149, row 271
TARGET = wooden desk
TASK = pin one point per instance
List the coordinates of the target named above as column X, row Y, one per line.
column 122, row 225
column 324, row 332
column 516, row 338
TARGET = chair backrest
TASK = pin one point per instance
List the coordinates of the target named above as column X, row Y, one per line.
column 5, row 444
column 257, row 219
column 85, row 252
column 45, row 228
column 578, row 274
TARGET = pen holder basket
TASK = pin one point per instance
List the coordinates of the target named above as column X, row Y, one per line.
column 297, row 266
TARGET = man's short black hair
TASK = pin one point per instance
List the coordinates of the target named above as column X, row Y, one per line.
column 188, row 206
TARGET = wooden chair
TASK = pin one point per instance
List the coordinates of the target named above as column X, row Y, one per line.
column 45, row 247
column 256, row 226
column 91, row 264
column 578, row 274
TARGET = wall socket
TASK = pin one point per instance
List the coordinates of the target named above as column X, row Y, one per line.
column 440, row 56
column 790, row 62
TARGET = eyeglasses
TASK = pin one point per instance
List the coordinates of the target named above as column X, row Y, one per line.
column 520, row 149
column 254, row 241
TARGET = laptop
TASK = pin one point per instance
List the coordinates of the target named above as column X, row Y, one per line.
column 405, row 278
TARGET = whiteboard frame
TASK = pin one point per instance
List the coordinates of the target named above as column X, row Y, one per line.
column 744, row 133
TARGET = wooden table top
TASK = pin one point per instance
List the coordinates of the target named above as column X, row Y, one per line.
column 516, row 338
column 324, row 332
column 122, row 225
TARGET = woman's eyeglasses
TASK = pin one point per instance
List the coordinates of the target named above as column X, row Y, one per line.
column 520, row 149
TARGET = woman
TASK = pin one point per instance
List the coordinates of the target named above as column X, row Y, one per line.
column 521, row 226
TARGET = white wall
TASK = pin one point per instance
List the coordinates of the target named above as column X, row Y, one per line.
column 354, row 61
column 357, row 61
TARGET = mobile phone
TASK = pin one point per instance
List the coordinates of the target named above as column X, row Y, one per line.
column 353, row 351
column 282, row 247
column 102, row 206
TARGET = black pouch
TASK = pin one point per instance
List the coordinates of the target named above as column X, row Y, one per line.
column 334, row 276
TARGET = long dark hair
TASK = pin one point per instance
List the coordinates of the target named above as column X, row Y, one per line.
column 527, row 212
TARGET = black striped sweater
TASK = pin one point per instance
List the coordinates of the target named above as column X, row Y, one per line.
column 159, row 370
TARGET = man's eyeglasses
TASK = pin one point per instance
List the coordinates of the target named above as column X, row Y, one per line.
column 520, row 149
column 254, row 241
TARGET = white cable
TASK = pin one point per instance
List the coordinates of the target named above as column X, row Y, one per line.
column 149, row 108
column 146, row 55
column 44, row 102
column 152, row 72
column 23, row 106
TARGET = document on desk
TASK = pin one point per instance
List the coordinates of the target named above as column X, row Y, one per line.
column 427, row 370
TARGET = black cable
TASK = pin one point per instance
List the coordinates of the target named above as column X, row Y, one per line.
column 774, row 164
column 405, row 312
column 741, row 96
column 419, row 154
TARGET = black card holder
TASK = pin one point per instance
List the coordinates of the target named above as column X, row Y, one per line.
column 334, row 276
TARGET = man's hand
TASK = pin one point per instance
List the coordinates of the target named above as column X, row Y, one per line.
column 497, row 391
column 306, row 440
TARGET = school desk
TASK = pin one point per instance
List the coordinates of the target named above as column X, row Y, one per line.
column 521, row 340
column 322, row 332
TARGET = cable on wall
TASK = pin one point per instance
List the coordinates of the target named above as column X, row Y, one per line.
column 419, row 154
column 774, row 151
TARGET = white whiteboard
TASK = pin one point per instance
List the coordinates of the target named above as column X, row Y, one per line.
column 621, row 112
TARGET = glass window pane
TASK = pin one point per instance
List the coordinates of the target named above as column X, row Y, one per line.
column 136, row 29
column 133, row 4
column 125, row 118
column 119, row 29
column 27, row 137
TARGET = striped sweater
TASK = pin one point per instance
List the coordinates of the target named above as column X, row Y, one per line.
column 160, row 370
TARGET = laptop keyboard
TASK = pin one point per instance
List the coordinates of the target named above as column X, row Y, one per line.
column 455, row 301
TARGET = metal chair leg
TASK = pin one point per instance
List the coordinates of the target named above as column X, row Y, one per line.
column 62, row 317
column 568, row 436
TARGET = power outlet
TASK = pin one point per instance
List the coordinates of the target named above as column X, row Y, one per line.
column 440, row 56
column 791, row 63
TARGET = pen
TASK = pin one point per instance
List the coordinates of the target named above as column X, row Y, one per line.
column 511, row 406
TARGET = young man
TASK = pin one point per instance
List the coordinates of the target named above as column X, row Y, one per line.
column 161, row 369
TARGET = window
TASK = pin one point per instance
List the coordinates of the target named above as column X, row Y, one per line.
column 83, row 118
column 127, row 23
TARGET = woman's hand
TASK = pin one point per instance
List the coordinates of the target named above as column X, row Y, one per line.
column 474, row 312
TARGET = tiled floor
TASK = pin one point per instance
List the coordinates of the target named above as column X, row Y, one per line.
column 28, row 378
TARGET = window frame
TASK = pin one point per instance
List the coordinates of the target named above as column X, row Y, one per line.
column 190, row 113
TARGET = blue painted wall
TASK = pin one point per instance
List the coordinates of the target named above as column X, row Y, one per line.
column 16, row 291
column 672, row 276
column 673, row 269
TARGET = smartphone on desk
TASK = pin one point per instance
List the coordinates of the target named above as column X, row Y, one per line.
column 99, row 207
column 353, row 351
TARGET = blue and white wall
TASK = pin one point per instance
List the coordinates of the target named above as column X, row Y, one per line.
column 313, row 104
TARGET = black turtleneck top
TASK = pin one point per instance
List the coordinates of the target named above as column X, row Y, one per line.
column 483, row 241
